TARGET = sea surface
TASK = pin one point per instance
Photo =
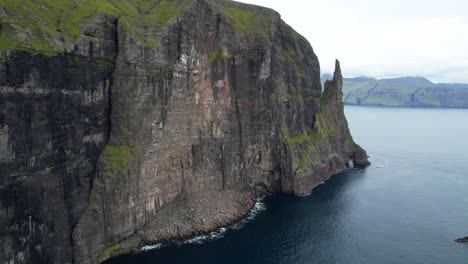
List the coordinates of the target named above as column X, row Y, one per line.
column 407, row 207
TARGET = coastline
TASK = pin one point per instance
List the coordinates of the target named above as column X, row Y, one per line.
column 188, row 217
column 258, row 207
column 167, row 226
column 403, row 106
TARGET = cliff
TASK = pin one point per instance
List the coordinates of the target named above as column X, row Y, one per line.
column 404, row 91
column 132, row 122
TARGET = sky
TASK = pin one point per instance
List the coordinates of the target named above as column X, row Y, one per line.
column 383, row 38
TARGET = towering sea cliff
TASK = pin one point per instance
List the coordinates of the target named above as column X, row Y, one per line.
column 131, row 122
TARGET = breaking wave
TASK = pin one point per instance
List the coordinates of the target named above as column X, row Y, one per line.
column 256, row 210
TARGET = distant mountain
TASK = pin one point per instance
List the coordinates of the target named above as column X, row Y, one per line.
column 403, row 91
column 419, row 82
column 327, row 76
column 452, row 85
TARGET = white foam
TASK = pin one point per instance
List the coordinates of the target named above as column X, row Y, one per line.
column 203, row 238
column 152, row 247
column 256, row 210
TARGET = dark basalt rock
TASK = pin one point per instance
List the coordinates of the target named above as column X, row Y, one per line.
column 116, row 143
column 462, row 240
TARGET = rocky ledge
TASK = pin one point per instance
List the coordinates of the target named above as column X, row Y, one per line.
column 191, row 215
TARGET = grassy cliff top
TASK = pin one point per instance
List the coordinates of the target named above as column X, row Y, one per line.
column 51, row 26
column 46, row 26
column 246, row 18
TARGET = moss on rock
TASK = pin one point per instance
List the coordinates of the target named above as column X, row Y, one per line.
column 110, row 252
column 117, row 158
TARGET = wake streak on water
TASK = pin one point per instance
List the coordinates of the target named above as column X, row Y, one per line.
column 256, row 210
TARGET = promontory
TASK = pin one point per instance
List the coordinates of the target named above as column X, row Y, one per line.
column 128, row 122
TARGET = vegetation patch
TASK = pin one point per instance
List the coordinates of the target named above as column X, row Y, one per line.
column 294, row 52
column 323, row 102
column 18, row 174
column 47, row 26
column 118, row 158
column 246, row 18
column 49, row 170
column 310, row 140
column 323, row 131
column 218, row 56
column 313, row 136
column 110, row 252
column 168, row 11
column 152, row 19
column 306, row 156
column 243, row 19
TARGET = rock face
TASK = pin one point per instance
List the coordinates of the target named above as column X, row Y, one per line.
column 116, row 137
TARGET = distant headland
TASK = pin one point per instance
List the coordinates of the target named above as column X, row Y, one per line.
column 403, row 92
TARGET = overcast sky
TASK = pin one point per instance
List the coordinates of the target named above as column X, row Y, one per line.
column 384, row 38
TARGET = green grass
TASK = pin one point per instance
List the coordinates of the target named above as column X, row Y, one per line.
column 323, row 131
column 247, row 19
column 323, row 101
column 51, row 26
column 313, row 136
column 49, row 170
column 18, row 174
column 118, row 158
column 244, row 20
column 388, row 99
column 154, row 20
column 47, row 26
column 309, row 140
column 306, row 156
column 110, row 252
column 167, row 11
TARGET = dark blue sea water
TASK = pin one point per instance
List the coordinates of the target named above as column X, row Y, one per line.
column 407, row 207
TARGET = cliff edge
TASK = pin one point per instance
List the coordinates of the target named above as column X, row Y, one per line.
column 131, row 122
